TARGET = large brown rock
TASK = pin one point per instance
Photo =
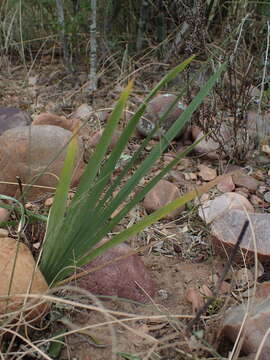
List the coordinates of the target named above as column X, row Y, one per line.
column 254, row 327
column 27, row 152
column 11, row 117
column 21, row 278
column 155, row 110
column 162, row 194
column 126, row 278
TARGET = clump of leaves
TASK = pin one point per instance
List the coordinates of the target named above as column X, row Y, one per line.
column 73, row 232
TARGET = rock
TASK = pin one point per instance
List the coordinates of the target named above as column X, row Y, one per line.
column 246, row 181
column 11, row 117
column 257, row 201
column 83, row 112
column 28, row 151
column 195, row 131
column 212, row 209
column 259, row 124
column 154, row 111
column 266, row 149
column 3, row 233
column 162, row 193
column 177, row 177
column 102, row 116
column 244, row 278
column 253, row 327
column 226, row 229
column 242, row 191
column 226, row 184
column 25, row 276
column 266, row 196
column 124, row 278
column 189, row 176
column 61, row 121
column 207, row 173
column 95, row 137
column 48, row 202
column 263, row 290
column 208, row 147
column 4, row 214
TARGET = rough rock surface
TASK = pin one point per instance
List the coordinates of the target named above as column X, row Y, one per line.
column 207, row 173
column 95, row 137
column 209, row 147
column 246, row 181
column 4, row 214
column 27, row 151
column 154, row 111
column 255, row 327
column 83, row 112
column 11, row 117
column 162, row 193
column 227, row 228
column 226, row 184
column 124, row 278
column 22, row 277
column 212, row 209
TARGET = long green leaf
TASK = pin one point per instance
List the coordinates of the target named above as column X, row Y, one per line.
column 83, row 226
column 58, row 209
column 155, row 153
column 110, row 164
column 87, row 208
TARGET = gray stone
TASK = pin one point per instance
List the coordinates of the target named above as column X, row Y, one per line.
column 227, row 228
column 154, row 112
column 255, row 326
column 212, row 209
column 11, row 117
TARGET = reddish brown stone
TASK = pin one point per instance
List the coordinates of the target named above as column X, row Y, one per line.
column 226, row 184
column 163, row 193
column 126, row 278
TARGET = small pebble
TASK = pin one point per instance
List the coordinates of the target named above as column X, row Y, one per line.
column 163, row 294
column 49, row 202
column 267, row 196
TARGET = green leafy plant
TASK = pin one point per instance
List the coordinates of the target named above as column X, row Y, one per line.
column 73, row 232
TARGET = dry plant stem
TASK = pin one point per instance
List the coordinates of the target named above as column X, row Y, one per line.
column 221, row 279
column 265, row 66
